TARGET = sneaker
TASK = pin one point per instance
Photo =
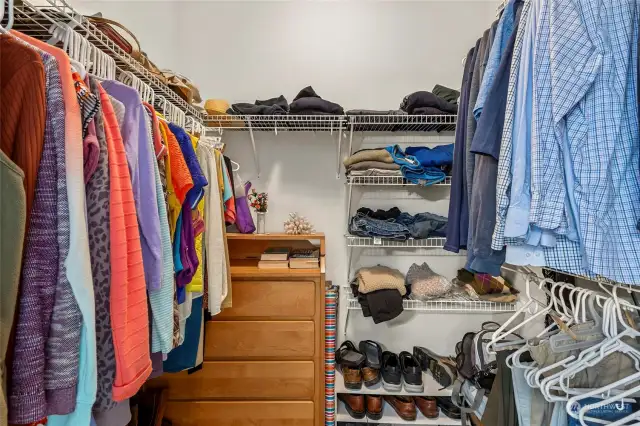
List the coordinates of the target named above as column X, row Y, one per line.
column 411, row 373
column 391, row 372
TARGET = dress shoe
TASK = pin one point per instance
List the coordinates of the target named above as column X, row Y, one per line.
column 352, row 378
column 446, row 405
column 411, row 373
column 443, row 369
column 391, row 372
column 374, row 406
column 403, row 406
column 427, row 406
column 354, row 404
column 371, row 376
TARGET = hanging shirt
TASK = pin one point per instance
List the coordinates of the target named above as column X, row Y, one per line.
column 594, row 77
column 195, row 194
column 505, row 28
column 197, row 282
column 503, row 187
column 141, row 158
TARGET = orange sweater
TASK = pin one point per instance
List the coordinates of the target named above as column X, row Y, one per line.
column 22, row 110
column 129, row 315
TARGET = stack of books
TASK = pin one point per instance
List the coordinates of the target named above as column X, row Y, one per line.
column 304, row 259
column 275, row 257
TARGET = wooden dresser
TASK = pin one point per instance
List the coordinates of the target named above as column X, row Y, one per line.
column 263, row 357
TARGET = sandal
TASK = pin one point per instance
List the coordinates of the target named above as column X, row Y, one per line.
column 348, row 356
column 373, row 351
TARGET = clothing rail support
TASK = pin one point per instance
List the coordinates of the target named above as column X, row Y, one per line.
column 339, row 148
column 253, row 145
column 350, row 137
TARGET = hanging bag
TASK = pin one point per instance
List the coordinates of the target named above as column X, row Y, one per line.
column 244, row 220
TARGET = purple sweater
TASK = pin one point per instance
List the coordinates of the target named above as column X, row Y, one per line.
column 27, row 401
column 140, row 157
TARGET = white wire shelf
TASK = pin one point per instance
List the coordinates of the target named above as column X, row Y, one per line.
column 403, row 123
column 354, row 241
column 389, row 181
column 448, row 305
column 431, row 388
column 276, row 123
column 390, row 417
column 36, row 21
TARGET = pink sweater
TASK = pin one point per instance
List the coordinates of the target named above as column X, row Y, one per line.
column 129, row 315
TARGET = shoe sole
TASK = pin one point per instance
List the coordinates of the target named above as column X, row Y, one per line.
column 391, row 387
column 413, row 388
column 374, row 416
column 353, row 386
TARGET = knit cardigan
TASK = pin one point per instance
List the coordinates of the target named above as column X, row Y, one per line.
column 129, row 313
column 78, row 262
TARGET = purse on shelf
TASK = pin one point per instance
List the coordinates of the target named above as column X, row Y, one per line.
column 244, row 220
column 127, row 41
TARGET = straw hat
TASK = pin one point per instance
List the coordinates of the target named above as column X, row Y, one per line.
column 220, row 107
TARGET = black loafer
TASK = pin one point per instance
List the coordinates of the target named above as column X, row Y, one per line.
column 411, row 373
column 391, row 372
column 448, row 409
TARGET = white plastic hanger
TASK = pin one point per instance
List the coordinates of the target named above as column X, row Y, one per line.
column 10, row 17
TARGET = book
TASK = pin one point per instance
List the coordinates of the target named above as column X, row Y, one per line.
column 273, row 264
column 276, row 253
column 305, row 254
column 303, row 263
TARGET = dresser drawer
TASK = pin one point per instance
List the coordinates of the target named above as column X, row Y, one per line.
column 253, row 413
column 259, row 339
column 242, row 380
column 271, row 299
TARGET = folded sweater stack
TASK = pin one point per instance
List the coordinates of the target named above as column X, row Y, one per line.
column 379, row 277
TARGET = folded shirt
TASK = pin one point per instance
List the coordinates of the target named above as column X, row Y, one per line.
column 427, row 99
column 308, row 102
column 449, row 95
column 379, row 277
column 381, row 155
column 273, row 106
column 441, row 155
column 366, row 165
column 428, row 111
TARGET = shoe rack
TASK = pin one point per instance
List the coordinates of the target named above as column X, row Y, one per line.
column 386, row 192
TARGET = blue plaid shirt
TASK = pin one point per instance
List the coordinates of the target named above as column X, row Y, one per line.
column 594, row 111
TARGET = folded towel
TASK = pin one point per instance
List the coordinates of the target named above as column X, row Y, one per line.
column 379, row 278
column 366, row 165
column 380, row 154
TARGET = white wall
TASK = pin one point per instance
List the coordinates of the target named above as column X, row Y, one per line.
column 361, row 54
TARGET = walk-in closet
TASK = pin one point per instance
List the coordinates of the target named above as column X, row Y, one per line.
column 314, row 213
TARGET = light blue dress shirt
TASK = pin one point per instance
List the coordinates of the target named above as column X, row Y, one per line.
column 505, row 28
column 595, row 109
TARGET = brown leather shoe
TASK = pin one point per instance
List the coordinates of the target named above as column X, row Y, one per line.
column 371, row 376
column 374, row 406
column 427, row 406
column 354, row 404
column 403, row 405
column 352, row 378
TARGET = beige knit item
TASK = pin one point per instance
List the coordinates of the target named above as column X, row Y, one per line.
column 370, row 155
column 380, row 278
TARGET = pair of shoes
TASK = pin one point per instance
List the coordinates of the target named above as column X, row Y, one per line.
column 399, row 370
column 446, row 405
column 443, row 369
column 358, row 366
column 359, row 406
column 406, row 406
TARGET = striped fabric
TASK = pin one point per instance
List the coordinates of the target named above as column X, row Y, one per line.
column 330, row 311
column 161, row 300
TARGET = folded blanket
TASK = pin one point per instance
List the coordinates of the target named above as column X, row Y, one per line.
column 427, row 99
column 366, row 165
column 380, row 154
column 379, row 278
column 375, row 172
